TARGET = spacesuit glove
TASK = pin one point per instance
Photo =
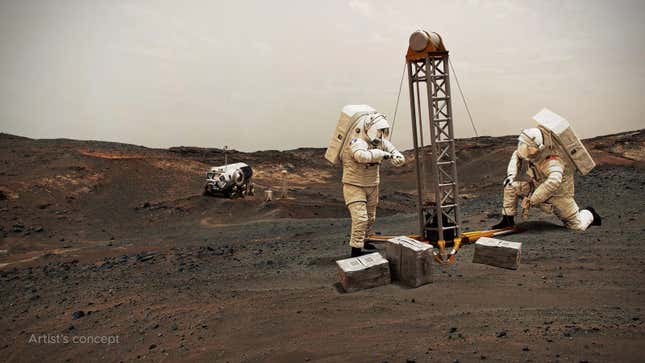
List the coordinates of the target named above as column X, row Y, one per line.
column 509, row 180
column 378, row 154
column 398, row 160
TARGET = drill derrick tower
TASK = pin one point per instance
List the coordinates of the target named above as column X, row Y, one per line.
column 429, row 81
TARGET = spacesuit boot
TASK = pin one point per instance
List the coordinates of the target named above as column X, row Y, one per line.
column 597, row 219
column 356, row 252
column 369, row 246
column 507, row 221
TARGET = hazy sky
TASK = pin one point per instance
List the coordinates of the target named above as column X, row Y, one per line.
column 275, row 74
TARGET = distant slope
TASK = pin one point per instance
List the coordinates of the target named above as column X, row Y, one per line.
column 72, row 184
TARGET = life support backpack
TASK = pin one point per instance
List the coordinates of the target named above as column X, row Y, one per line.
column 559, row 134
column 349, row 117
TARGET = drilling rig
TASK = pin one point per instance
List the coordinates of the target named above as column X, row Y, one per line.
column 429, row 76
column 439, row 223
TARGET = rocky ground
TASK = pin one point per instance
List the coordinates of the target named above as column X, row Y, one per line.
column 115, row 241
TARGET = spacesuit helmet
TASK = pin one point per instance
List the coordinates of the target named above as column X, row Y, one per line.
column 376, row 128
column 530, row 143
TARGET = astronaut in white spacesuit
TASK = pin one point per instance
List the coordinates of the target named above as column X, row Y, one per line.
column 361, row 158
column 538, row 173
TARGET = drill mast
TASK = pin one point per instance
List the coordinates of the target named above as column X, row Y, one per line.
column 428, row 67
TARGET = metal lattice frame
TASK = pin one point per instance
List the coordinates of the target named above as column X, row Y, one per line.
column 434, row 72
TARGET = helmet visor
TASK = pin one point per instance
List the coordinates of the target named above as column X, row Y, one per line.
column 378, row 128
column 383, row 133
column 526, row 151
column 372, row 133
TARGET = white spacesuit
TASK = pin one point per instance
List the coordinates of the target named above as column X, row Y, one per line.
column 538, row 173
column 361, row 158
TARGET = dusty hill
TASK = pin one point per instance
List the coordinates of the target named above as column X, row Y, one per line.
column 100, row 238
column 83, row 181
column 77, row 191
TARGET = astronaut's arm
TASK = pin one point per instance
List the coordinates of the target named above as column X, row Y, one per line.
column 397, row 158
column 389, row 147
column 362, row 154
column 545, row 190
column 511, row 170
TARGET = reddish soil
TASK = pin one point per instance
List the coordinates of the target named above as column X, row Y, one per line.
column 106, row 239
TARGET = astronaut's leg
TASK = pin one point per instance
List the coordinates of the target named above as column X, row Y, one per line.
column 356, row 201
column 372, row 203
column 567, row 210
column 512, row 192
column 509, row 205
column 546, row 207
column 360, row 220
